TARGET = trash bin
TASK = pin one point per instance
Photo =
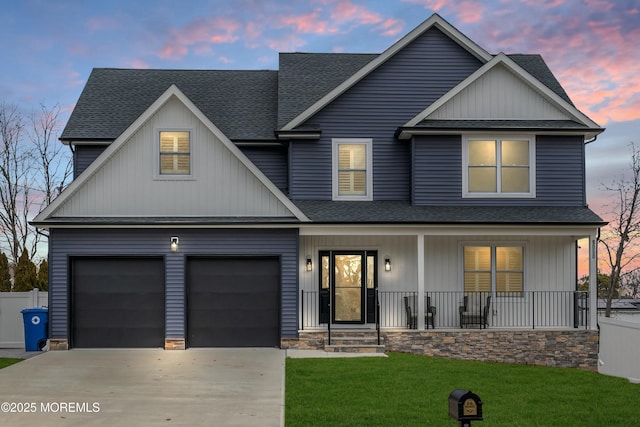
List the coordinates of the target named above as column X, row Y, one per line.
column 36, row 328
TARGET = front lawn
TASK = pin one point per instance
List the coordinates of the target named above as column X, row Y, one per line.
column 7, row 361
column 411, row 390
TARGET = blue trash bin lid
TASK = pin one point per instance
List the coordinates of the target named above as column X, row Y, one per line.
column 35, row 310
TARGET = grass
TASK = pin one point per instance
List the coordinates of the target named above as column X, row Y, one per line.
column 411, row 390
column 7, row 361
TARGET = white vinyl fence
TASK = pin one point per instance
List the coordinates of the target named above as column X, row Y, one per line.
column 11, row 323
column 619, row 348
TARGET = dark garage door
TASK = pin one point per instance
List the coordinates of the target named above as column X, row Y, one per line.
column 233, row 302
column 117, row 302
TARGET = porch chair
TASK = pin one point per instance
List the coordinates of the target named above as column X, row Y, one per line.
column 475, row 312
column 412, row 316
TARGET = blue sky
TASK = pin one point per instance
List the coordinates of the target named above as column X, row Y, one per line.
column 590, row 45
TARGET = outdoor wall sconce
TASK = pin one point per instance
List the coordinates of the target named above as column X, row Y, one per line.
column 174, row 244
column 387, row 264
column 309, row 263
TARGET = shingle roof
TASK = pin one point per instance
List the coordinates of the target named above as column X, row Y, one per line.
column 535, row 65
column 243, row 104
column 401, row 212
column 304, row 78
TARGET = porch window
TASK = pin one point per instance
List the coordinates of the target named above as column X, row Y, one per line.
column 175, row 153
column 494, row 268
column 352, row 169
column 499, row 167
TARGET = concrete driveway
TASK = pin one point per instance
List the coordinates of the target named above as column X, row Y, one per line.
column 221, row 387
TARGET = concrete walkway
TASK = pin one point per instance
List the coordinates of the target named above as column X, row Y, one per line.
column 196, row 387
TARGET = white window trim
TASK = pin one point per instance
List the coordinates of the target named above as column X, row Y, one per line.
column 156, row 156
column 493, row 246
column 368, row 142
column 465, row 168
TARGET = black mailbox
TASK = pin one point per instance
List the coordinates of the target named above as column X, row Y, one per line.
column 465, row 406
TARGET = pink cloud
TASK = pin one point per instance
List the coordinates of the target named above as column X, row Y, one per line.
column 139, row 63
column 470, row 11
column 309, row 23
column 345, row 11
column 391, row 27
column 199, row 34
column 289, row 43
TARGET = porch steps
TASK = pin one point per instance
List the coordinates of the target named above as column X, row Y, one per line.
column 354, row 341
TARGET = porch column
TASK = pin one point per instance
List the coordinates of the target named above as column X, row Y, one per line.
column 593, row 282
column 420, row 298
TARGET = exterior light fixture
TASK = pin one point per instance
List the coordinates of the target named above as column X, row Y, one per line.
column 387, row 264
column 309, row 263
column 174, row 244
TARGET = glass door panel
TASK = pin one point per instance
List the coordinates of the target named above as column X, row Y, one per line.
column 348, row 288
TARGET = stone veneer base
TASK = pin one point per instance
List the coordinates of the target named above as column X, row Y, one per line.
column 570, row 348
column 174, row 344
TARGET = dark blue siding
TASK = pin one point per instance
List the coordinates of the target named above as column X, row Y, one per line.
column 273, row 162
column 437, row 173
column 84, row 155
column 437, row 170
column 65, row 243
column 374, row 108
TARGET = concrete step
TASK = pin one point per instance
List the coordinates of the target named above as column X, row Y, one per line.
column 360, row 348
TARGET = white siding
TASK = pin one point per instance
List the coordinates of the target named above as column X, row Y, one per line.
column 499, row 94
column 401, row 250
column 127, row 184
column 550, row 262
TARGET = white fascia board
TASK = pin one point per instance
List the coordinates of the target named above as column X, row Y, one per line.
column 575, row 231
column 140, row 121
column 434, row 21
column 503, row 59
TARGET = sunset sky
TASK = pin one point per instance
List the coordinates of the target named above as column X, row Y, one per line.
column 592, row 46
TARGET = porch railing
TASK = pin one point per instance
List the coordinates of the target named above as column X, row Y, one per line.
column 531, row 309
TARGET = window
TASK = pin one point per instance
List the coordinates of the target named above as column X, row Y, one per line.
column 175, row 153
column 352, row 174
column 499, row 268
column 503, row 167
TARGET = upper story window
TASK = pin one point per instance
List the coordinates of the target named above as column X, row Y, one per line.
column 352, row 169
column 499, row 167
column 175, row 153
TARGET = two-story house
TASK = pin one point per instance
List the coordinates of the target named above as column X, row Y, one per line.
column 433, row 192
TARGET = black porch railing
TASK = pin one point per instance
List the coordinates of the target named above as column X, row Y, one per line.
column 531, row 309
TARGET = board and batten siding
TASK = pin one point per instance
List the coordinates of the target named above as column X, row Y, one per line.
column 64, row 244
column 437, row 173
column 388, row 97
column 499, row 94
column 128, row 183
column 550, row 261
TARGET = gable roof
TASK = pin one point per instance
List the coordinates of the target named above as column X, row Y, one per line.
column 173, row 91
column 113, row 98
column 435, row 21
column 557, row 100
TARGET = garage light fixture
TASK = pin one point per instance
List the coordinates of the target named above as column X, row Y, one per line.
column 387, row 264
column 174, row 244
column 309, row 263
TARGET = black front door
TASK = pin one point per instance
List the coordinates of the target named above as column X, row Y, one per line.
column 347, row 285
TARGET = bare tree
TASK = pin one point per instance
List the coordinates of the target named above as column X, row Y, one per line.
column 621, row 237
column 15, row 169
column 33, row 170
column 53, row 164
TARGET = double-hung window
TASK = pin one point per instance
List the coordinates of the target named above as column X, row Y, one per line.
column 175, row 153
column 499, row 167
column 352, row 169
column 490, row 268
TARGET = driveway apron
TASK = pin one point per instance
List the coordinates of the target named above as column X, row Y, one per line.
column 221, row 387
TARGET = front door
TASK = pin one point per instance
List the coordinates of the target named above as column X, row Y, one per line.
column 347, row 285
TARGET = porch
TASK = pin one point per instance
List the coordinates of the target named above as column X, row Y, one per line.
column 446, row 310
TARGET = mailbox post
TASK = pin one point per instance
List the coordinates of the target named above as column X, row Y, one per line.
column 465, row 406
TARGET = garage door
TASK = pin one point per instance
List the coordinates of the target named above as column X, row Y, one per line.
column 117, row 302
column 233, row 302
